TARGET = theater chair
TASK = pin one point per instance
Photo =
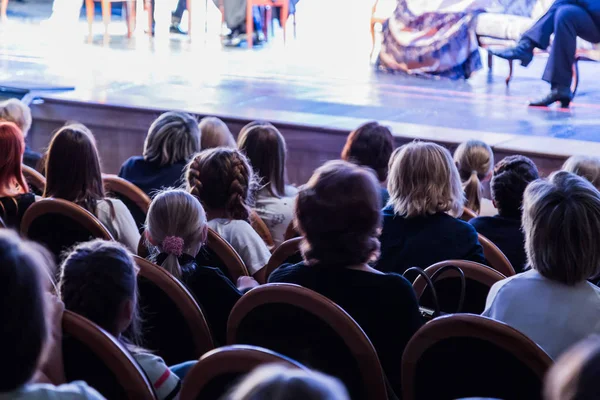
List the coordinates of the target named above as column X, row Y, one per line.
column 468, row 214
column 136, row 201
column 34, row 179
column 218, row 253
column 288, row 252
column 496, row 257
column 261, row 228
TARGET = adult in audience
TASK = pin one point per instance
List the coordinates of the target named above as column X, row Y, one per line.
column 419, row 224
column 371, row 145
column 276, row 382
column 509, row 181
column 13, row 110
column 265, row 148
column 223, row 181
column 99, row 282
column 340, row 239
column 15, row 197
column 31, row 338
column 553, row 303
column 584, row 166
column 171, row 142
column 575, row 374
column 73, row 173
column 475, row 161
column 215, row 133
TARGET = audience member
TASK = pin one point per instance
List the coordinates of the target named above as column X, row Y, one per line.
column 371, row 145
column 475, row 161
column 265, row 148
column 223, row 181
column 13, row 110
column 31, row 328
column 73, row 173
column 418, row 231
column 275, row 382
column 172, row 141
column 553, row 303
column 575, row 374
column 215, row 133
column 587, row 167
column 99, row 282
column 509, row 181
column 15, row 197
column 340, row 238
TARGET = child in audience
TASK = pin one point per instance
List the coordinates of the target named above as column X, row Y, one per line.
column 15, row 198
column 31, row 328
column 172, row 141
column 371, row 145
column 265, row 148
column 19, row 113
column 276, row 382
column 99, row 282
column 223, row 180
column 73, row 173
column 509, row 181
column 215, row 133
column 340, row 239
column 419, row 224
column 475, row 161
column 584, row 166
column 553, row 303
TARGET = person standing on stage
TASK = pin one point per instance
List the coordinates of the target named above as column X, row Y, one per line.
column 567, row 20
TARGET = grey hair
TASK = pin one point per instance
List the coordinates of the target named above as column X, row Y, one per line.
column 173, row 137
column 424, row 180
column 215, row 133
column 561, row 221
column 17, row 112
column 587, row 167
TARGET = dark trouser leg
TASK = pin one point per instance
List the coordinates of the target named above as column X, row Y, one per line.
column 181, row 7
column 541, row 31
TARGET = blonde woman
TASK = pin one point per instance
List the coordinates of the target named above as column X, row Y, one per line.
column 419, row 224
column 475, row 162
column 587, row 167
column 215, row 133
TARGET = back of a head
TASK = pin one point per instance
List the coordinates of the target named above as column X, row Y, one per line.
column 587, row 167
column 12, row 147
column 265, row 148
column 276, row 382
column 370, row 145
column 424, row 180
column 215, row 133
column 511, row 176
column 13, row 110
column 338, row 212
column 474, row 160
column 173, row 137
column 561, row 220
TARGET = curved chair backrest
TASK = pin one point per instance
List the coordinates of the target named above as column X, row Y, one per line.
column 132, row 196
column 261, row 228
column 36, row 180
column 2, row 224
column 311, row 329
column 468, row 214
column 496, row 257
column 479, row 279
column 217, row 371
column 59, row 224
column 291, row 231
column 92, row 355
column 173, row 323
column 287, row 252
column 218, row 253
column 463, row 355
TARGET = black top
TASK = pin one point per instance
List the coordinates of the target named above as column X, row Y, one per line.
column 506, row 233
column 425, row 240
column 384, row 305
column 151, row 177
column 31, row 158
column 13, row 208
column 385, row 196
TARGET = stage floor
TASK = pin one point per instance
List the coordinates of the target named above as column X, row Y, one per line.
column 323, row 78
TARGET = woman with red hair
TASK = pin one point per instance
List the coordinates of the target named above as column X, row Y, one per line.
column 15, row 197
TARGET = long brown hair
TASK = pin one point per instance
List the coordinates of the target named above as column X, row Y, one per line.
column 73, row 167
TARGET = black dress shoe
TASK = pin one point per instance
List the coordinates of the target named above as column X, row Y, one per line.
column 176, row 29
column 523, row 52
column 562, row 95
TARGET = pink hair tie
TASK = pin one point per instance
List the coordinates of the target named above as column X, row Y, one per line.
column 173, row 245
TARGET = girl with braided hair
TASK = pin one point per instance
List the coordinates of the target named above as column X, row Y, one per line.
column 223, row 181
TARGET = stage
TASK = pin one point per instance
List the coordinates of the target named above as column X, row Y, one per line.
column 316, row 87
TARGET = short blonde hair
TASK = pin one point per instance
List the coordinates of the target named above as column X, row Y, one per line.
column 424, row 180
column 215, row 133
column 587, row 167
column 173, row 137
column 474, row 160
column 13, row 110
column 561, row 220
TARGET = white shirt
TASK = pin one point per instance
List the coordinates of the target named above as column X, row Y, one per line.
column 40, row 391
column 486, row 208
column 244, row 239
column 165, row 383
column 121, row 226
column 552, row 314
column 276, row 213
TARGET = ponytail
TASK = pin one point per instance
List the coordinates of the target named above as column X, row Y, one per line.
column 173, row 246
column 473, row 192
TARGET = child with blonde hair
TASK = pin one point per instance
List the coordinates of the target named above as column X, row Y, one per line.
column 475, row 162
column 215, row 133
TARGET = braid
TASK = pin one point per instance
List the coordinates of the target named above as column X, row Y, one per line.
column 193, row 178
column 238, row 190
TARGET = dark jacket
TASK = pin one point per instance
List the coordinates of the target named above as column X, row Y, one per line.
column 506, row 233
column 151, row 177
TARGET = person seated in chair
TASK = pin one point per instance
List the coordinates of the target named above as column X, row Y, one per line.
column 175, row 17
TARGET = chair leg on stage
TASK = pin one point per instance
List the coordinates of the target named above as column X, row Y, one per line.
column 490, row 61
column 150, row 10
column 284, row 14
column 249, row 24
column 3, row 8
column 575, row 84
column 189, row 10
column 89, row 9
column 510, row 72
column 106, row 14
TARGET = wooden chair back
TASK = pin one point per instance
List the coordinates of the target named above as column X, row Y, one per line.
column 92, row 355
column 218, row 253
column 496, row 257
column 217, row 371
column 2, row 224
column 311, row 329
column 291, row 231
column 460, row 356
column 468, row 214
column 287, row 252
column 261, row 228
column 132, row 196
column 36, row 181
